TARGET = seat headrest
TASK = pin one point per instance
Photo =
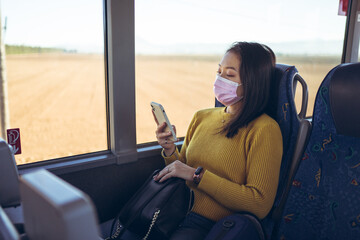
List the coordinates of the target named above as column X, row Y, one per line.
column 54, row 209
column 344, row 94
column 281, row 71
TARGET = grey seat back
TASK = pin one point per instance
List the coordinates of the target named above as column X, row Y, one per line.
column 7, row 230
column 9, row 178
column 54, row 209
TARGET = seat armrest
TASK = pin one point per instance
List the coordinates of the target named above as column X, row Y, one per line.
column 301, row 141
column 7, row 229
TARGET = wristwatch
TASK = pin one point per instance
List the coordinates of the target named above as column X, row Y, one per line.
column 196, row 177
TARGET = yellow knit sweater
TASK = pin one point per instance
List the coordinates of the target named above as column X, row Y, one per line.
column 241, row 173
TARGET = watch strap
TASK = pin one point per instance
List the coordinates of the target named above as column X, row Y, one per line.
column 196, row 177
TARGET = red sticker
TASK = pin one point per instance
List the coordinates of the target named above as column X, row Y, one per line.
column 13, row 138
column 343, row 6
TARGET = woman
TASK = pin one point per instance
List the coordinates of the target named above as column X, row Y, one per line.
column 231, row 156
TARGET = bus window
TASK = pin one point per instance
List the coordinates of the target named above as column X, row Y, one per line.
column 55, row 76
column 179, row 44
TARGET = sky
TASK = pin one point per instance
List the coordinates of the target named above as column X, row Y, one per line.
column 180, row 26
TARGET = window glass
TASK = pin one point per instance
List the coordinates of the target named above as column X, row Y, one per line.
column 180, row 43
column 55, row 76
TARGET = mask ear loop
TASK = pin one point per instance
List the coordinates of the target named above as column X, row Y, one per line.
column 242, row 97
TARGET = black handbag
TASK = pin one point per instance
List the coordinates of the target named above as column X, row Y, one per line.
column 155, row 210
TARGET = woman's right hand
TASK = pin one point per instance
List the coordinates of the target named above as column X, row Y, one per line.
column 163, row 139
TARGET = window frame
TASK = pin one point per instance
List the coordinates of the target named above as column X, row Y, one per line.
column 119, row 60
column 352, row 33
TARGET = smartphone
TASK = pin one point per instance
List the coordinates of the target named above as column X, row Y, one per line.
column 161, row 117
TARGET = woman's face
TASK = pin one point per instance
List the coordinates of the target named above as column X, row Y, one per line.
column 229, row 68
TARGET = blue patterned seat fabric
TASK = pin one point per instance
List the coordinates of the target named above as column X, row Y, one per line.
column 287, row 118
column 284, row 111
column 324, row 200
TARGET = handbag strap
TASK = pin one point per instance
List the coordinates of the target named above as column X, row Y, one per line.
column 156, row 214
column 118, row 231
column 134, row 216
column 117, row 218
column 112, row 236
column 130, row 202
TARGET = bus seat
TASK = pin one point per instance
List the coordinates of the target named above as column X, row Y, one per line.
column 7, row 229
column 9, row 178
column 294, row 129
column 9, row 187
column 293, row 126
column 54, row 209
column 324, row 200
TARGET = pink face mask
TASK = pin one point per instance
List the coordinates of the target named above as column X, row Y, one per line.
column 225, row 91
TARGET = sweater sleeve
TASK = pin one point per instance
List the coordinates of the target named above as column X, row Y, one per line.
column 182, row 154
column 262, row 173
column 173, row 157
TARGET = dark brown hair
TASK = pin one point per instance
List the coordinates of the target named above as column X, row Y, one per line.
column 257, row 66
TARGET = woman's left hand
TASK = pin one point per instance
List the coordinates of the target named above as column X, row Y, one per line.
column 176, row 169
